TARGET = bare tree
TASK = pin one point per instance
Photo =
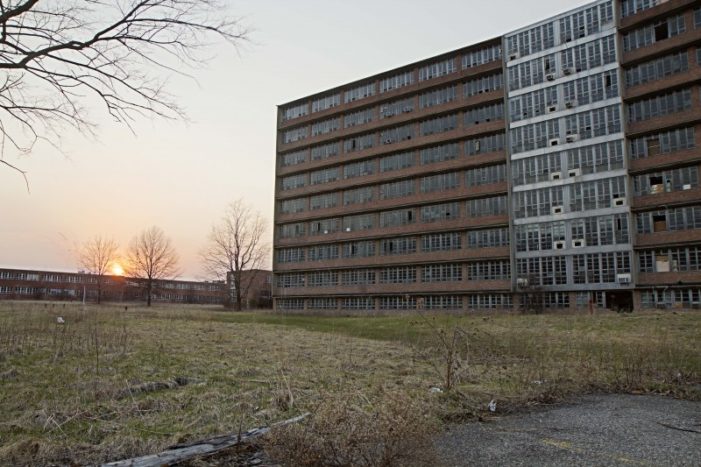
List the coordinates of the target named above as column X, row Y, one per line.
column 57, row 56
column 151, row 257
column 235, row 246
column 97, row 256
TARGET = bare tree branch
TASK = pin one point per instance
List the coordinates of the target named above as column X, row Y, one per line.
column 58, row 55
column 151, row 256
column 97, row 256
column 236, row 250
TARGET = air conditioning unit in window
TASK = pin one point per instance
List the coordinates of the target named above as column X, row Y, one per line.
column 686, row 186
column 555, row 175
column 514, row 55
column 325, row 232
column 618, row 201
column 550, row 77
column 522, row 282
column 553, row 141
column 348, row 229
column 574, row 172
column 624, row 278
column 570, row 104
column 572, row 138
column 556, row 210
column 559, row 245
column 579, row 243
column 568, row 71
column 550, row 109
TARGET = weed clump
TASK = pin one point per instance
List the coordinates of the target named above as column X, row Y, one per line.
column 349, row 430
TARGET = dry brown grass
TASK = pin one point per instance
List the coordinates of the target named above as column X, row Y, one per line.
column 347, row 430
column 82, row 391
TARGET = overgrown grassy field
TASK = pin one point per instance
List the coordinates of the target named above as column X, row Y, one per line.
column 80, row 391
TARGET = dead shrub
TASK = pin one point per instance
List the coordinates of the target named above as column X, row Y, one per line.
column 349, row 430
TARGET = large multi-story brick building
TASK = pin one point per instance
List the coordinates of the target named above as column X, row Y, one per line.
column 560, row 161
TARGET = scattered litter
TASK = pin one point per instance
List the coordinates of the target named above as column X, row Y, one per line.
column 436, row 390
column 492, row 406
column 537, row 382
column 60, row 320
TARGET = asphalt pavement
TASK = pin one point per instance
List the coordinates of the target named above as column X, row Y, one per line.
column 600, row 430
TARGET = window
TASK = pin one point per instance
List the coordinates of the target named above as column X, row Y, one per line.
column 397, row 189
column 397, row 217
column 489, row 270
column 441, row 242
column 440, row 182
column 441, row 153
column 322, row 279
column 294, row 181
column 357, row 196
column 324, row 176
column 358, row 303
column 357, row 118
column 485, row 175
column 440, row 212
column 362, row 249
column 439, row 124
column 631, row 7
column 671, row 219
column 549, row 270
column 398, row 246
column 398, row 275
column 325, row 126
column 662, row 143
column 487, row 206
column 485, row 114
column 680, row 179
column 538, row 202
column 481, row 56
column 437, row 69
column 396, row 81
column 292, row 230
column 324, row 151
column 322, row 303
column 400, row 302
column 657, row 69
column 322, row 252
column 360, row 222
column 327, row 102
column 657, row 106
column 398, row 161
column 596, row 158
column 599, row 268
column 328, row 200
column 652, row 33
column 296, row 134
column 290, row 206
column 397, row 134
column 401, row 106
column 325, row 226
column 441, row 273
column 359, row 169
column 485, row 144
column 488, row 301
column 437, row 97
column 359, row 143
column 290, row 304
column 482, row 85
column 488, row 238
column 358, row 277
column 294, row 158
column 597, row 194
column 359, row 92
column 295, row 111
column 290, row 255
column 536, row 169
column 287, row 281
column 443, row 302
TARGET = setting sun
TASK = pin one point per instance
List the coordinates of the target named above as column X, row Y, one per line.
column 117, row 269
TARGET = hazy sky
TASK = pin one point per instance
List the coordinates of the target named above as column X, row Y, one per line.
column 181, row 176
